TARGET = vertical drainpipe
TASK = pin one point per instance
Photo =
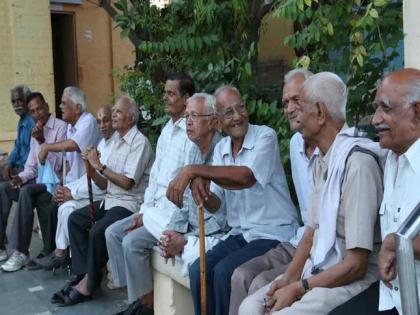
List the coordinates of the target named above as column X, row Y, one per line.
column 405, row 262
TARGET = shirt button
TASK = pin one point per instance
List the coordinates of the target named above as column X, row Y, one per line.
column 395, row 220
column 396, row 288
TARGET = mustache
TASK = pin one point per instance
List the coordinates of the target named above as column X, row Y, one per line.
column 381, row 126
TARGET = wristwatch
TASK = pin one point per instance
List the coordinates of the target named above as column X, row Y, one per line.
column 102, row 169
column 305, row 285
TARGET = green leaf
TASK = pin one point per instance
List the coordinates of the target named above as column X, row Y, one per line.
column 379, row 3
column 300, row 4
column 373, row 13
column 330, row 29
column 308, row 2
column 359, row 59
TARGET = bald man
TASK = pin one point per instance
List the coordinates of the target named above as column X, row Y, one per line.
column 397, row 121
column 75, row 195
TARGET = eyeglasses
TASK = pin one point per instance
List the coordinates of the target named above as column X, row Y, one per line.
column 194, row 116
column 228, row 114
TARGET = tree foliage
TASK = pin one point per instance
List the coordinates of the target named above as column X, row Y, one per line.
column 354, row 38
column 216, row 41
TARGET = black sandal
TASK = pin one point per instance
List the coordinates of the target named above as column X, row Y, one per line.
column 74, row 297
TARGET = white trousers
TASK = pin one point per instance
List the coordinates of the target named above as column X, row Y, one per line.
column 64, row 211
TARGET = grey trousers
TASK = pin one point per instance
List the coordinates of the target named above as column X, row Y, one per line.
column 256, row 273
column 22, row 226
column 129, row 257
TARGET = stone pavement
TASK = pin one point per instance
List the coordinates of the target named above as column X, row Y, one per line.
column 28, row 292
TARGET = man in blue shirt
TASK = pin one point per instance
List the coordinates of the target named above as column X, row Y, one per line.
column 19, row 154
column 247, row 176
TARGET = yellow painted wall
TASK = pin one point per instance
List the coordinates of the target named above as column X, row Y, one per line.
column 100, row 50
column 25, row 57
column 272, row 49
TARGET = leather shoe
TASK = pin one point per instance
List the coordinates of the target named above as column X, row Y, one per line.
column 74, row 297
column 53, row 261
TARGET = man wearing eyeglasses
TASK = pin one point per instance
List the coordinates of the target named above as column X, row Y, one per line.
column 248, row 178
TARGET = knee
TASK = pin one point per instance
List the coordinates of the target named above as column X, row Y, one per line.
column 129, row 243
column 96, row 233
column 241, row 276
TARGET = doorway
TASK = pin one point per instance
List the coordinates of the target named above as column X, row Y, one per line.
column 64, row 54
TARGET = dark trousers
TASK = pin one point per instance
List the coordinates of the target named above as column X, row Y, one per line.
column 365, row 303
column 87, row 243
column 47, row 210
column 21, row 233
column 221, row 261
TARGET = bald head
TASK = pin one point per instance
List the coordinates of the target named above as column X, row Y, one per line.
column 397, row 115
column 103, row 119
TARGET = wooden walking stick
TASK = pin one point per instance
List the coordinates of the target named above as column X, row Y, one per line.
column 202, row 259
column 89, row 183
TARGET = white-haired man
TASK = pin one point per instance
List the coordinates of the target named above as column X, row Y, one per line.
column 335, row 260
column 397, row 121
column 82, row 131
column 248, row 178
column 261, row 270
column 125, row 177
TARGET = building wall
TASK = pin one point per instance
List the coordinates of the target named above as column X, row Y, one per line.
column 100, row 51
column 26, row 55
column 411, row 9
column 25, row 46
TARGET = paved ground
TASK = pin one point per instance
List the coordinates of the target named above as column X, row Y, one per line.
column 28, row 292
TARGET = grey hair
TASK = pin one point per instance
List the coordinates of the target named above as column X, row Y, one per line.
column 328, row 88
column 413, row 94
column 77, row 96
column 24, row 89
column 226, row 87
column 289, row 76
column 133, row 109
column 209, row 102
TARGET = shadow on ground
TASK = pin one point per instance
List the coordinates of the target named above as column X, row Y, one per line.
column 28, row 292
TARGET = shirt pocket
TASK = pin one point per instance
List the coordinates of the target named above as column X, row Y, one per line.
column 384, row 217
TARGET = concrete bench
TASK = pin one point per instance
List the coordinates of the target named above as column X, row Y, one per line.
column 172, row 294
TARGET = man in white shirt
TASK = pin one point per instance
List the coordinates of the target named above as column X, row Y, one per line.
column 397, row 121
column 82, row 132
column 74, row 195
column 248, row 177
column 261, row 270
column 129, row 241
column 125, row 178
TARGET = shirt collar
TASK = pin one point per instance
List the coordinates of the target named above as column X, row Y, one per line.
column 248, row 143
column 78, row 122
column 50, row 122
column 180, row 123
column 302, row 150
column 129, row 136
column 413, row 156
